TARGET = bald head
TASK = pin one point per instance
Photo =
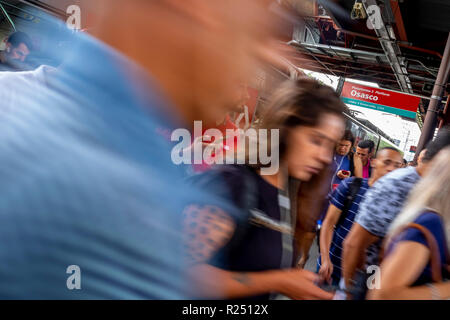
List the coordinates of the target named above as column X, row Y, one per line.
column 387, row 160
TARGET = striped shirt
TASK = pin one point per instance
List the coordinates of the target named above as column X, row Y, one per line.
column 344, row 225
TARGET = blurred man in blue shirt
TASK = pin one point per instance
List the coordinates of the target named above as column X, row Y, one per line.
column 91, row 202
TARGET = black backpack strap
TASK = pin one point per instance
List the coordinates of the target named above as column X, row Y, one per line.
column 352, row 164
column 250, row 189
column 249, row 200
column 350, row 198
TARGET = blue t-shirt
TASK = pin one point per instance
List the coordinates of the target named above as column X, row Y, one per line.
column 339, row 163
column 341, row 230
column 433, row 222
column 87, row 181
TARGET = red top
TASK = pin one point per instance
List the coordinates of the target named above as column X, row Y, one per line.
column 227, row 142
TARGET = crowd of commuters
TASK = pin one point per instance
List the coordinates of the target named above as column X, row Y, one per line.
column 251, row 253
column 344, row 205
column 88, row 180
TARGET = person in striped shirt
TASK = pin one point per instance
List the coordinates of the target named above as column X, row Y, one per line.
column 340, row 215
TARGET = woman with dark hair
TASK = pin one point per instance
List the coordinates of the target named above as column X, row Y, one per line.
column 247, row 249
column 342, row 158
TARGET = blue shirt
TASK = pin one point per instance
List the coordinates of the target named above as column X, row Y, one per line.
column 382, row 204
column 86, row 181
column 433, row 222
column 342, row 229
column 339, row 163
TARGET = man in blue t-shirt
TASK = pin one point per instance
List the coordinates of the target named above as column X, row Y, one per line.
column 341, row 213
column 89, row 209
column 91, row 200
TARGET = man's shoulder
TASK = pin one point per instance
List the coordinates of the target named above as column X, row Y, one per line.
column 401, row 176
column 346, row 187
column 403, row 172
column 384, row 200
column 343, row 186
column 20, row 81
column 362, row 182
column 348, row 181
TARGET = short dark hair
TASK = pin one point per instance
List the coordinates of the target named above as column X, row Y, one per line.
column 441, row 141
column 405, row 161
column 367, row 144
column 20, row 37
column 348, row 136
column 388, row 148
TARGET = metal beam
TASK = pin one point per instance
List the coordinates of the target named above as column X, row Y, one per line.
column 387, row 39
column 430, row 123
column 351, row 66
column 45, row 7
column 347, row 51
column 399, row 21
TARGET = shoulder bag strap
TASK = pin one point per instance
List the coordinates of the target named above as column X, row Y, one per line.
column 435, row 259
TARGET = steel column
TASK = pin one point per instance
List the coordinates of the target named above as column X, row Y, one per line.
column 430, row 123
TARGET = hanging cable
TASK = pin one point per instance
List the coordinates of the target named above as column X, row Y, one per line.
column 425, row 67
column 7, row 17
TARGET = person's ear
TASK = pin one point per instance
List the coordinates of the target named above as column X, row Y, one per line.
column 8, row 47
column 373, row 163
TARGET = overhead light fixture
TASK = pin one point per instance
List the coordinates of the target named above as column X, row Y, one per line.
column 358, row 11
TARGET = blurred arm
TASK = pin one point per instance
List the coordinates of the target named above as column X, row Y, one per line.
column 215, row 283
column 354, row 251
column 216, row 229
column 326, row 233
column 400, row 269
column 358, row 166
